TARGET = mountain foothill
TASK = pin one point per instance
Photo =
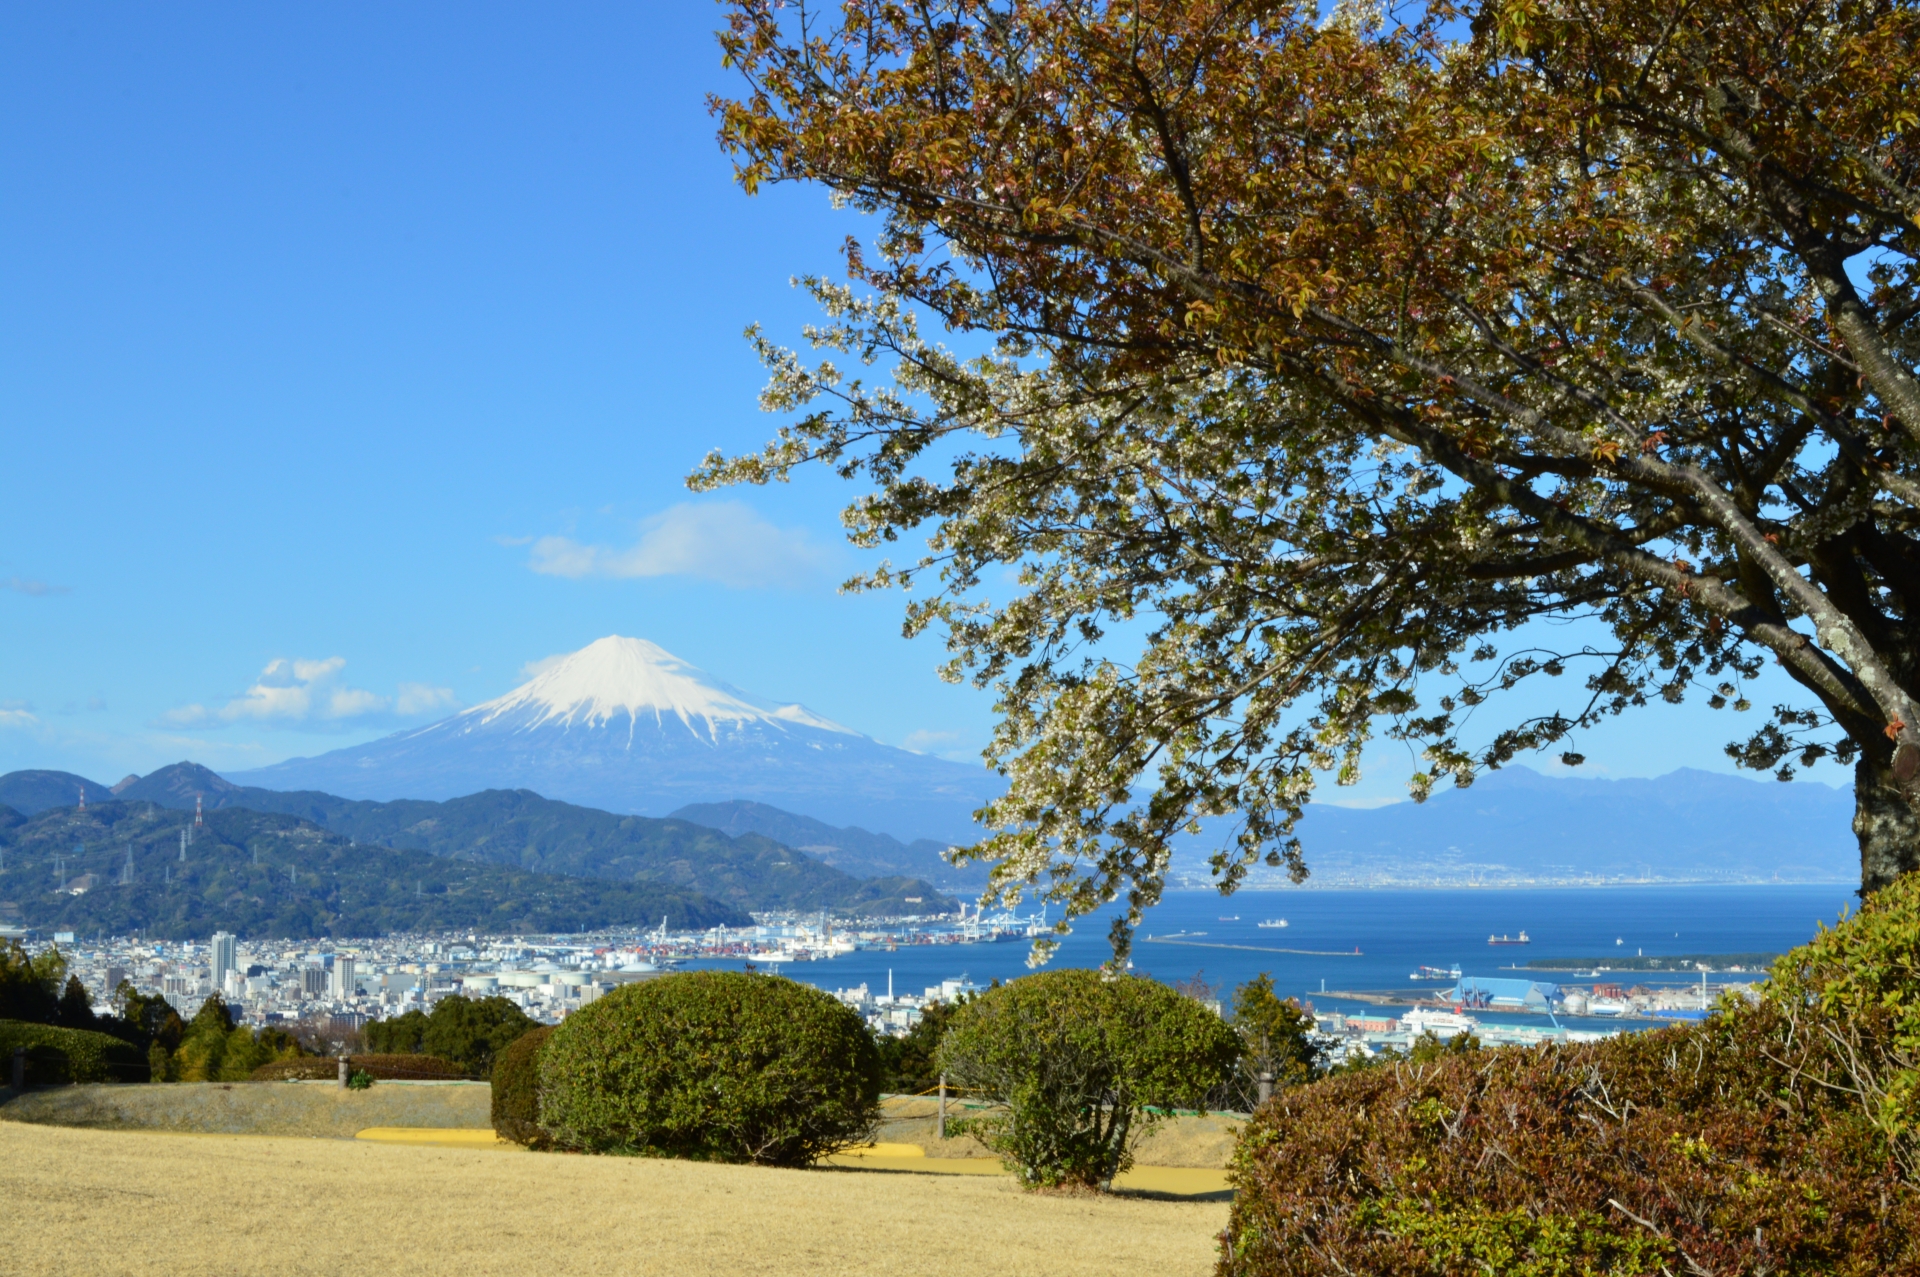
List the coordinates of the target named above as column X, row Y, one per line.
column 499, row 860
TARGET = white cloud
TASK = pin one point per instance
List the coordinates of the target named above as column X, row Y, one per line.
column 724, row 541
column 36, row 589
column 16, row 717
column 305, row 692
column 947, row 745
column 418, row 698
column 534, row 669
column 299, row 690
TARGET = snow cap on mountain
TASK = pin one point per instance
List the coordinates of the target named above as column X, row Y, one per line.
column 617, row 676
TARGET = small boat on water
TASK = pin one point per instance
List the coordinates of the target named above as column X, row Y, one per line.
column 1272, row 922
column 1507, row 939
column 1226, row 918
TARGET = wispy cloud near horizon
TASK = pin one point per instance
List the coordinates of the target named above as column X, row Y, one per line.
column 32, row 588
column 310, row 693
column 724, row 541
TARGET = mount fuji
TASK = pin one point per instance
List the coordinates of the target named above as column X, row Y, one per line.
column 626, row 726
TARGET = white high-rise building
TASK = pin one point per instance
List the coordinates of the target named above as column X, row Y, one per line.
column 223, row 957
column 343, row 986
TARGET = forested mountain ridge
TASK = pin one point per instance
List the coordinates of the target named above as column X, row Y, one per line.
column 521, row 829
column 266, row 874
column 32, row 792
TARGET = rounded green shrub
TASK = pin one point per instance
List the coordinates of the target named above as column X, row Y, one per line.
column 1771, row 1137
column 716, row 1065
column 516, row 1094
column 56, row 1056
column 1084, row 1063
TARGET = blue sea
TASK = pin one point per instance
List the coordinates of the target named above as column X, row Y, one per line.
column 1395, row 932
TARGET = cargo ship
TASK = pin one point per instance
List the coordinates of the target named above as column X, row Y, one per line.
column 1506, row 939
column 1272, row 922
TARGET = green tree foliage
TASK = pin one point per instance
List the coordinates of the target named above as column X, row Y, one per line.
column 1338, row 348
column 1082, row 1060
column 1778, row 1135
column 469, row 1032
column 908, row 1063
column 516, row 1089
column 148, row 1019
column 38, row 989
column 398, row 1035
column 215, row 1048
column 30, row 984
column 76, row 1005
column 1274, row 1034
column 714, row 1065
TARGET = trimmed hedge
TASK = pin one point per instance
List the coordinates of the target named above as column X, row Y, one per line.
column 516, row 1089
column 56, row 1056
column 715, row 1065
column 1776, row 1136
column 381, row 1068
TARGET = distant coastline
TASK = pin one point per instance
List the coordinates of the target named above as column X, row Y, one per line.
column 1181, row 880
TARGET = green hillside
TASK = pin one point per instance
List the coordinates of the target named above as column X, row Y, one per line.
column 519, row 828
column 273, row 875
column 32, row 792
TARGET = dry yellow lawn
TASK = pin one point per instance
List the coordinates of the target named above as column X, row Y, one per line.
column 109, row 1202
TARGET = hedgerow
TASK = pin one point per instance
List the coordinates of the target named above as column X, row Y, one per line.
column 56, row 1055
column 381, row 1068
column 516, row 1089
column 1776, row 1136
column 715, row 1065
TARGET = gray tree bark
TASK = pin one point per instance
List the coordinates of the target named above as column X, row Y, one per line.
column 1885, row 820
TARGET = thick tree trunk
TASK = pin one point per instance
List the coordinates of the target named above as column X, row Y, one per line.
column 1886, row 822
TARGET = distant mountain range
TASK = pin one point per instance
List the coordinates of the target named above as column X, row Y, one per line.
column 854, row 850
column 270, row 875
column 523, row 830
column 1515, row 825
column 624, row 726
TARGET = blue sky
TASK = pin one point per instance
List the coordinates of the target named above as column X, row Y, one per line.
column 352, row 358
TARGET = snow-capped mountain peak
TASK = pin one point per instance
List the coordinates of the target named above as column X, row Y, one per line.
column 618, row 677
column 623, row 725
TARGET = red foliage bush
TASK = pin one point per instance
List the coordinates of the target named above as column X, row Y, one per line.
column 1739, row 1145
